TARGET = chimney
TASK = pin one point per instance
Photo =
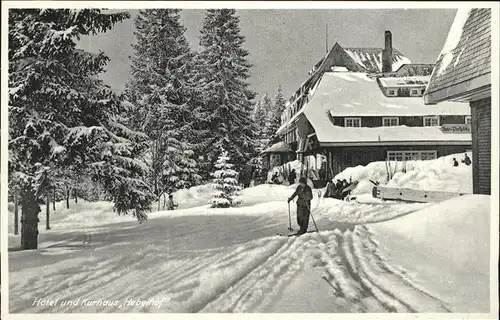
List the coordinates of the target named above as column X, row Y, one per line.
column 387, row 53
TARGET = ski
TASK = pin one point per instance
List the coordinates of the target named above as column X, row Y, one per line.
column 294, row 234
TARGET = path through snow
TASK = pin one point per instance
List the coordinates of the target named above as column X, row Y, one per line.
column 230, row 262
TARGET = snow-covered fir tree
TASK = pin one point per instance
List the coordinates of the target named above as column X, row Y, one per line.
column 259, row 118
column 225, row 183
column 62, row 116
column 275, row 116
column 164, row 93
column 223, row 71
column 267, row 107
column 259, row 115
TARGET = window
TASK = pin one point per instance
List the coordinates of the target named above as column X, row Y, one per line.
column 395, row 156
column 468, row 120
column 414, row 92
column 391, row 92
column 411, row 155
column 352, row 122
column 431, row 121
column 429, row 155
column 390, row 121
column 290, row 137
column 275, row 160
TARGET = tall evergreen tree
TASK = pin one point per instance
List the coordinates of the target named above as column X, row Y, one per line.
column 62, row 116
column 162, row 89
column 267, row 107
column 259, row 115
column 260, row 119
column 275, row 116
column 264, row 122
column 223, row 72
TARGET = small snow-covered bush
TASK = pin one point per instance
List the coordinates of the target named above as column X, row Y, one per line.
column 225, row 183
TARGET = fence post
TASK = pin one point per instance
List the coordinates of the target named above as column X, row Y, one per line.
column 16, row 213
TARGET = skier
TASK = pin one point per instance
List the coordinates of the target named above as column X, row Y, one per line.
column 455, row 162
column 246, row 176
column 170, row 203
column 304, row 194
column 291, row 177
column 467, row 160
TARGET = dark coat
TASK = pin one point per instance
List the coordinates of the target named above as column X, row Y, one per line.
column 467, row 161
column 246, row 175
column 304, row 196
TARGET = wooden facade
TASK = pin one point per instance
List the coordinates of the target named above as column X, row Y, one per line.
column 340, row 158
column 481, row 146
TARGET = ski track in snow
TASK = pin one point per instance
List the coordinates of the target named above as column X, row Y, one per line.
column 194, row 265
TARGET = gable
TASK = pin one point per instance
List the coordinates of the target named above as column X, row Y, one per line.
column 340, row 58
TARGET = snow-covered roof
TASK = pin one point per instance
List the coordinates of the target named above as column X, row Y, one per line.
column 360, row 60
column 415, row 81
column 386, row 135
column 355, row 94
column 371, row 58
column 278, row 147
column 466, row 55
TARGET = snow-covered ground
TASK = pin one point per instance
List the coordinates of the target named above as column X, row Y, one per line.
column 437, row 175
column 370, row 256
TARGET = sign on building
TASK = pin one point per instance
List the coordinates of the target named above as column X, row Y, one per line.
column 456, row 128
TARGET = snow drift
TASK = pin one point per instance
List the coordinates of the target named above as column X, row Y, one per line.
column 447, row 246
column 437, row 175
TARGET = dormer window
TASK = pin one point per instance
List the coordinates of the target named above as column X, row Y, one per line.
column 391, row 92
column 431, row 121
column 352, row 122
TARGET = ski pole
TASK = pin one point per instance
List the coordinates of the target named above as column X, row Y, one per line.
column 310, row 213
column 314, row 223
column 289, row 218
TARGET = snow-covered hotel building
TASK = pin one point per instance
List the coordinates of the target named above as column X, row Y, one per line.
column 360, row 105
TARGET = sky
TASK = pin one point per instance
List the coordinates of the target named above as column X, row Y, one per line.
column 285, row 44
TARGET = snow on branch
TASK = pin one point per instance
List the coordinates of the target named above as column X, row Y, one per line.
column 225, row 183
